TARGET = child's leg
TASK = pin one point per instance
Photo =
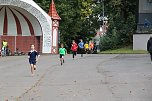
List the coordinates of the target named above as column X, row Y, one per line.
column 5, row 51
column 73, row 54
column 82, row 52
column 34, row 65
column 32, row 68
column 87, row 51
column 63, row 59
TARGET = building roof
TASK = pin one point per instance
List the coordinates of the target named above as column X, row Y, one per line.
column 52, row 11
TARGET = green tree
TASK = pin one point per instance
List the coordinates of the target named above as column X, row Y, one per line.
column 75, row 22
column 80, row 20
column 121, row 17
column 44, row 4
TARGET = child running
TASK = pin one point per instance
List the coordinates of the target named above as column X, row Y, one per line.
column 86, row 47
column 62, row 52
column 33, row 58
column 91, row 46
column 74, row 48
column 81, row 47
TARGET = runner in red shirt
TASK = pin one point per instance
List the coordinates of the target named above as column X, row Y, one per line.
column 74, row 48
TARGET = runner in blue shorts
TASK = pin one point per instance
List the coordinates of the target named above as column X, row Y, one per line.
column 33, row 58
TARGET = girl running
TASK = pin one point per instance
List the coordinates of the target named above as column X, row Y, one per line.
column 74, row 48
column 91, row 46
column 62, row 52
column 86, row 47
column 33, row 58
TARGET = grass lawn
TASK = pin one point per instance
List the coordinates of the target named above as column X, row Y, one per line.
column 126, row 50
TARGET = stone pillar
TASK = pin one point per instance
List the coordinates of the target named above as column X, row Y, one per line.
column 55, row 34
column 55, row 25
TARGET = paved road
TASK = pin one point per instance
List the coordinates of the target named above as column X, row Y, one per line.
column 91, row 78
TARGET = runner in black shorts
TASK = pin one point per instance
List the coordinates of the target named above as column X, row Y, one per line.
column 81, row 47
column 33, row 58
column 62, row 52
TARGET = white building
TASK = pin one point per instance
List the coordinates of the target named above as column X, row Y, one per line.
column 144, row 25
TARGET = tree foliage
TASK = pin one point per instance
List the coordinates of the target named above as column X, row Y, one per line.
column 74, row 24
column 122, row 24
column 80, row 20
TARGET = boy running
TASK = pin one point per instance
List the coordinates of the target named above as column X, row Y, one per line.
column 33, row 58
column 74, row 48
column 62, row 52
column 81, row 47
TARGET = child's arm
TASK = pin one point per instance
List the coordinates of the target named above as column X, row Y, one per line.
column 28, row 55
column 65, row 51
column 37, row 56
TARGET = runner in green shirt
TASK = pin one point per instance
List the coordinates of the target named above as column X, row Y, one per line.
column 62, row 52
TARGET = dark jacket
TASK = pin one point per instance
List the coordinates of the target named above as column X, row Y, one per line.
column 149, row 45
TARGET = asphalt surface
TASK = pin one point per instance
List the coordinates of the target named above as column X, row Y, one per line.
column 119, row 77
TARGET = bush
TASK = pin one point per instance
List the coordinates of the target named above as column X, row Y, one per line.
column 110, row 41
column 119, row 33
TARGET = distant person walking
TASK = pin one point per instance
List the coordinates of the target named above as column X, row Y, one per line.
column 149, row 47
column 4, row 47
column 62, row 52
column 33, row 58
column 81, row 47
column 74, row 48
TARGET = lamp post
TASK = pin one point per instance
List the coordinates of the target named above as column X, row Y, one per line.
column 101, row 17
column 103, row 10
